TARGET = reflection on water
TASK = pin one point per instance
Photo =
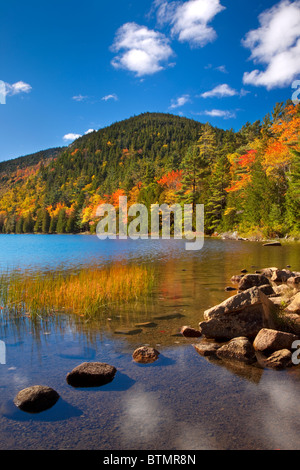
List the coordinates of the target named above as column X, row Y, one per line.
column 183, row 401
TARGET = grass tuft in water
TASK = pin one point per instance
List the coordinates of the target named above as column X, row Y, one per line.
column 84, row 292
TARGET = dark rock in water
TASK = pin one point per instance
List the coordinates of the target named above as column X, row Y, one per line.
column 229, row 289
column 206, row 349
column 244, row 271
column 189, row 332
column 147, row 324
column 145, row 355
column 91, row 374
column 171, row 316
column 36, row 399
column 128, row 331
column 272, row 244
column 253, row 280
column 278, row 360
column 239, row 349
column 269, row 340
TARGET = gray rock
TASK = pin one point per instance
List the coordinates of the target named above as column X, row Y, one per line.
column 281, row 275
column 253, row 280
column 36, row 399
column 239, row 349
column 91, row 374
column 269, row 340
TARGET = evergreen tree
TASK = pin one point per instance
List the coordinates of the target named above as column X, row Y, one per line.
column 216, row 202
column 194, row 169
column 28, row 224
column 46, row 221
column 61, row 221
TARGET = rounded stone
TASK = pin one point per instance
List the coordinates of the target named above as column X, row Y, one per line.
column 91, row 374
column 36, row 399
column 145, row 355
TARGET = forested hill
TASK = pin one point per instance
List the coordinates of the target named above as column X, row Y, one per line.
column 248, row 180
column 11, row 166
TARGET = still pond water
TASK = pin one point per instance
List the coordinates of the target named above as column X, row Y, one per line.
column 181, row 402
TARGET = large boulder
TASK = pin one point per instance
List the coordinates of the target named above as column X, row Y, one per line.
column 239, row 349
column 268, row 340
column 239, row 315
column 91, row 374
column 36, row 399
column 253, row 280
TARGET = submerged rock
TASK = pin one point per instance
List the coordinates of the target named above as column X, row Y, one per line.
column 91, row 374
column 272, row 244
column 145, row 355
column 36, row 399
column 128, row 331
column 206, row 349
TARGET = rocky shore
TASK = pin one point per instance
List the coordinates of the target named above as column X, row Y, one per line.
column 259, row 324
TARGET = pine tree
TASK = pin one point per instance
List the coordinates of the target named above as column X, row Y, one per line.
column 217, row 195
column 28, row 224
column 46, row 222
column 194, row 169
column 61, row 221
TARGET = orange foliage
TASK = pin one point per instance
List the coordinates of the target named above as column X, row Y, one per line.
column 172, row 180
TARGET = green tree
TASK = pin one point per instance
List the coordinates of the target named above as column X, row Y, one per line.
column 61, row 221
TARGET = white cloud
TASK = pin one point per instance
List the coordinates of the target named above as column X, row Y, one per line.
column 17, row 88
column 219, row 91
column 181, row 101
column 71, row 137
column 276, row 44
column 113, row 96
column 219, row 113
column 141, row 50
column 190, row 20
column 79, row 98
column 89, row 131
column 222, row 68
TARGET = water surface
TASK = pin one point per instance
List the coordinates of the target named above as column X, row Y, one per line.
column 182, row 401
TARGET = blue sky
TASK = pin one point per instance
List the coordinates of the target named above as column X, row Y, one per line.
column 70, row 66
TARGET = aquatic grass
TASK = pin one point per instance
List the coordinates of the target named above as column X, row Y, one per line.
column 84, row 292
